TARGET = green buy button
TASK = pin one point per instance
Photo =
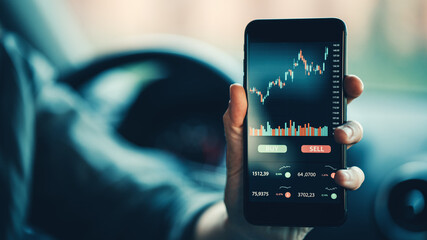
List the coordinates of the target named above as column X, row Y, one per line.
column 272, row 148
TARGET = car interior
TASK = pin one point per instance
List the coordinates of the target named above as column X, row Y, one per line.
column 159, row 73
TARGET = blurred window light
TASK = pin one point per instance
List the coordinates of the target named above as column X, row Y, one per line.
column 387, row 43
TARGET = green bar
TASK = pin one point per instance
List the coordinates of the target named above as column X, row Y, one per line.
column 272, row 148
column 286, row 129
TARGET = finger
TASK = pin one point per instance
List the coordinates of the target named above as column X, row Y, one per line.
column 349, row 133
column 353, row 87
column 237, row 106
column 351, row 178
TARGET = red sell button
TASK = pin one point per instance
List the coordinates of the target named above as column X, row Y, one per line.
column 315, row 148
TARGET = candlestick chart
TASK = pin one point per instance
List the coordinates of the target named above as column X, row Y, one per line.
column 309, row 69
column 290, row 91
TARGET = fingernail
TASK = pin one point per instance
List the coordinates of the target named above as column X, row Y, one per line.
column 347, row 130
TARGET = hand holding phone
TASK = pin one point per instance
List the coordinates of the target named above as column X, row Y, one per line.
column 226, row 219
column 234, row 118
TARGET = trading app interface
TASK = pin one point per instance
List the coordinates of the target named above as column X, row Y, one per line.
column 295, row 100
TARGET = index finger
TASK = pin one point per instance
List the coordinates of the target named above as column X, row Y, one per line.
column 353, row 87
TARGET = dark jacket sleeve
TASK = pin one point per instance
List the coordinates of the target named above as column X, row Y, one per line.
column 85, row 181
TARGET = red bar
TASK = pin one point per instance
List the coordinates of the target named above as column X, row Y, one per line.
column 315, row 148
column 318, row 132
column 272, row 132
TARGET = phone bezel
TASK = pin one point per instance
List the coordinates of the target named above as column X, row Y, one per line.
column 295, row 214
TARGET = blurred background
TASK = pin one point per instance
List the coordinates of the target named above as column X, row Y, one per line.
column 387, row 39
column 387, row 49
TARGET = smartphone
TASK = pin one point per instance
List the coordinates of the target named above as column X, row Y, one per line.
column 293, row 77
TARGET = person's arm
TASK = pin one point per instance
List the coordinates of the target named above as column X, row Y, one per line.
column 225, row 219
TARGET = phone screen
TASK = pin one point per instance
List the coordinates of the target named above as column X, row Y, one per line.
column 294, row 86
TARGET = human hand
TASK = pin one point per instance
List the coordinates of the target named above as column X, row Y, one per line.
column 233, row 225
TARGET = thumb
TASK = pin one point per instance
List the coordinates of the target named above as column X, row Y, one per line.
column 233, row 126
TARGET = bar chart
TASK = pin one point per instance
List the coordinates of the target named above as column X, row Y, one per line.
column 305, row 130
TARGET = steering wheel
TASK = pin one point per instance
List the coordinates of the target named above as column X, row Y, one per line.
column 180, row 111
